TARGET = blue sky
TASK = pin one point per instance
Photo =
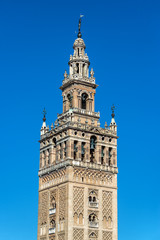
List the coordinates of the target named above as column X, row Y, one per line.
column 122, row 40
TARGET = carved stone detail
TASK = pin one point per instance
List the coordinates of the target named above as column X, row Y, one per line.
column 54, row 176
column 106, row 235
column 107, row 204
column 78, row 200
column 62, row 202
column 92, row 176
column 78, row 234
column 61, row 236
column 43, row 208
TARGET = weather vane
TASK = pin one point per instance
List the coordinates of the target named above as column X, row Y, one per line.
column 113, row 108
column 44, row 114
column 79, row 27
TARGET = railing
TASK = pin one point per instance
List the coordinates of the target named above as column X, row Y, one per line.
column 52, row 230
column 93, row 204
column 93, row 224
column 84, row 111
column 52, row 211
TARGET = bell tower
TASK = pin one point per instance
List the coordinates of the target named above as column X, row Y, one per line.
column 78, row 162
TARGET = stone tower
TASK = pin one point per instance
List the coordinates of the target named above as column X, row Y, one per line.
column 78, row 163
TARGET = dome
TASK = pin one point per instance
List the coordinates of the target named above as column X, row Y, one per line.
column 79, row 43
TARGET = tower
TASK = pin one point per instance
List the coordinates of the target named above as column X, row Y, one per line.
column 78, row 163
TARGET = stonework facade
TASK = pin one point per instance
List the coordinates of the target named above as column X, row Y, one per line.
column 78, row 163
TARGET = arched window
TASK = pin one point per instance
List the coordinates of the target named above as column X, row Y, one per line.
column 93, row 201
column 70, row 97
column 93, row 220
column 84, row 101
column 52, row 223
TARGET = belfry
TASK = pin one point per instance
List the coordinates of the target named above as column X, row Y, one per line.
column 78, row 162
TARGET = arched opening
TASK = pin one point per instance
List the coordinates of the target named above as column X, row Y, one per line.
column 102, row 154
column 93, row 201
column 75, row 218
column 75, row 149
column 70, row 97
column 104, row 222
column 110, row 156
column 81, row 218
column 54, row 142
column 84, row 101
column 93, row 220
column 93, row 140
column 109, row 222
column 82, row 151
column 52, row 223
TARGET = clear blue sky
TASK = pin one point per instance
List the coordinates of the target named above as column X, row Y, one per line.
column 123, row 44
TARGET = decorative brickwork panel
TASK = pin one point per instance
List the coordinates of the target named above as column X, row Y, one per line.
column 93, row 176
column 61, row 236
column 107, row 204
column 78, row 200
column 60, row 175
column 106, row 235
column 62, row 202
column 78, row 234
column 43, row 208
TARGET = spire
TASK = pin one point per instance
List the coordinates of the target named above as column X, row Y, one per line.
column 113, row 125
column 43, row 128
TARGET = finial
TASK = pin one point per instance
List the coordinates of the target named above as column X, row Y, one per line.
column 52, row 127
column 65, row 74
column 92, row 73
column 105, row 125
column 79, row 27
column 113, row 108
column 44, row 114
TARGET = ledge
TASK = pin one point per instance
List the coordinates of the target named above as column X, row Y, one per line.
column 75, row 163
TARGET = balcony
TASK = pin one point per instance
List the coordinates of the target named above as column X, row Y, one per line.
column 52, row 211
column 93, row 204
column 52, row 230
column 93, row 224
